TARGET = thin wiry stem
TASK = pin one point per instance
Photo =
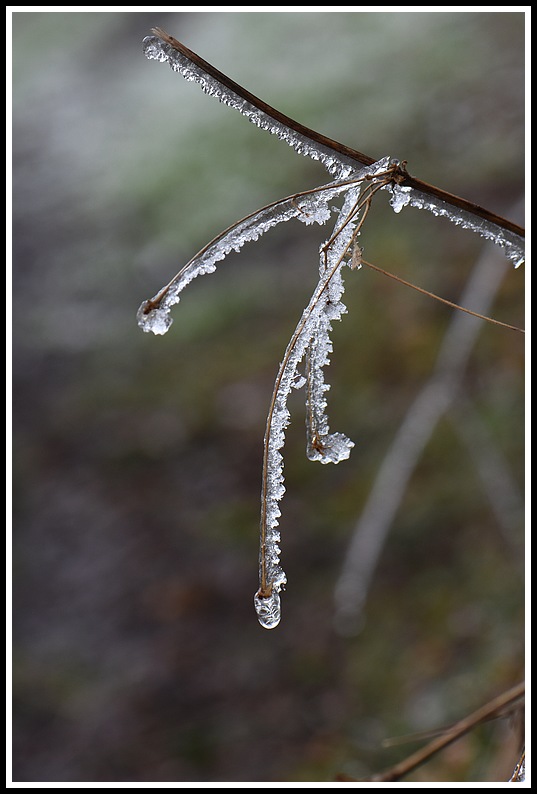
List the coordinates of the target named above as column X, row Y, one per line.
column 442, row 300
column 519, row 774
column 308, row 206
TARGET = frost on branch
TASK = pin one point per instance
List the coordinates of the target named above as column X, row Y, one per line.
column 337, row 164
column 311, row 338
column 511, row 243
column 322, row 445
column 156, row 49
column 309, row 207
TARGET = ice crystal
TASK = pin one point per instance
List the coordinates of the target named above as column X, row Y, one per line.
column 511, row 243
column 268, row 610
column 309, row 207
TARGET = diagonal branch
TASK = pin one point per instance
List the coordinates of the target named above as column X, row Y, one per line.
column 329, row 147
column 491, row 709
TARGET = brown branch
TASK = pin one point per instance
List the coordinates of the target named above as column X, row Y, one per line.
column 519, row 774
column 460, row 728
column 404, row 178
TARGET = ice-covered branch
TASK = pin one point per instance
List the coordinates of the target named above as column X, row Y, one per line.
column 310, row 336
column 310, row 206
column 163, row 47
column 509, row 240
column 338, row 159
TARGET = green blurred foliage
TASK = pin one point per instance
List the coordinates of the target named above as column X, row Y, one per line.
column 137, row 460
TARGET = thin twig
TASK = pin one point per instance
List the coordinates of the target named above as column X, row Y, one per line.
column 442, row 300
column 460, row 728
column 519, row 774
column 364, row 202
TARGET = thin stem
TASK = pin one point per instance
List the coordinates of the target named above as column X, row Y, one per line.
column 404, row 178
column 265, row 587
column 361, row 202
column 442, row 300
column 518, row 775
column 456, row 731
column 155, row 302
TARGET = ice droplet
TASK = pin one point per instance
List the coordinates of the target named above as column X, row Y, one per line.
column 268, row 609
column 332, row 448
column 400, row 197
column 156, row 321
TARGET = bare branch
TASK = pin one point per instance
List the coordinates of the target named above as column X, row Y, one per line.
column 495, row 706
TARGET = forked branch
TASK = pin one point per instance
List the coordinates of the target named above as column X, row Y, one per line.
column 345, row 154
column 358, row 178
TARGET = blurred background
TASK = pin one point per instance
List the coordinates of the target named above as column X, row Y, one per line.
column 137, row 459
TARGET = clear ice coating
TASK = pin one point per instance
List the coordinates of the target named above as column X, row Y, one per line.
column 336, row 164
column 311, row 206
column 512, row 244
column 400, row 197
column 156, row 320
column 311, row 338
column 268, row 610
column 332, row 448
